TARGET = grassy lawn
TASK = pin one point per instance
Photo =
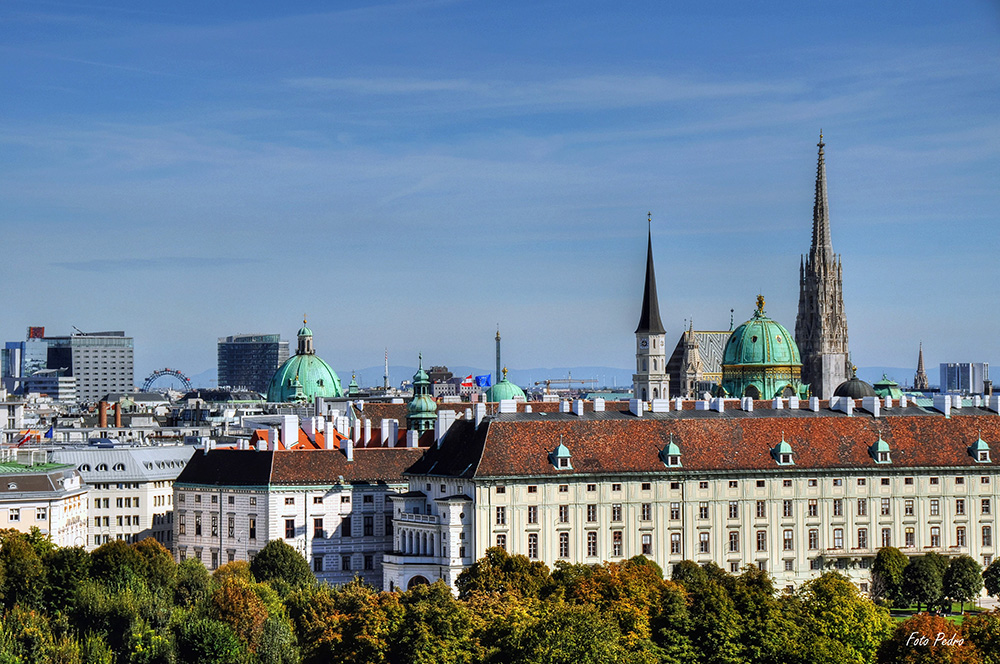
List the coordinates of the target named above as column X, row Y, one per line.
column 899, row 615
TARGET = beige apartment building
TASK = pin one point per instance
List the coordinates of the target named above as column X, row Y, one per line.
column 36, row 493
column 131, row 490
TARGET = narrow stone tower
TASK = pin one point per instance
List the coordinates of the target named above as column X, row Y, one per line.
column 821, row 326
column 920, row 379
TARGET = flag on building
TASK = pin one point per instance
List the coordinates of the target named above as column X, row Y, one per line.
column 48, row 434
column 483, row 381
column 468, row 381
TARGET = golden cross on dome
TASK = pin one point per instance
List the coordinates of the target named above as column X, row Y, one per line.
column 760, row 303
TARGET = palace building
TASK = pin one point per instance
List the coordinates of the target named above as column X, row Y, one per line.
column 793, row 487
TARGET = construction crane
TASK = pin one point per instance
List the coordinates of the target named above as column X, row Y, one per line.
column 568, row 382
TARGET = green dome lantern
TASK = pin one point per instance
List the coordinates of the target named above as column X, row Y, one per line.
column 304, row 376
column 422, row 411
column 761, row 359
column 505, row 390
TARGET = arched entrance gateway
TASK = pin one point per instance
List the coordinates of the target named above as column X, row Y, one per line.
column 417, row 581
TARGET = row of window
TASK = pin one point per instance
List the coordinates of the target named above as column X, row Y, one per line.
column 122, row 520
column 119, row 502
column 367, row 499
column 14, row 514
column 733, row 484
column 812, row 507
column 761, row 537
column 564, row 488
column 788, row 539
column 787, row 509
column 346, row 565
column 617, row 545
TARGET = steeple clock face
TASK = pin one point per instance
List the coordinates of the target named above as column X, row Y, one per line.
column 644, row 343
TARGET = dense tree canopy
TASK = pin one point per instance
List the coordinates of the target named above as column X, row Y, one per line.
column 278, row 562
column 962, row 580
column 133, row 603
column 887, row 575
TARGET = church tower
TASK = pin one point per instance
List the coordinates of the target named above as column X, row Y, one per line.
column 821, row 327
column 920, row 379
column 650, row 380
column 691, row 367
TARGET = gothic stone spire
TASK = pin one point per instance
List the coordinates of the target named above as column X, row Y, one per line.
column 649, row 317
column 920, row 379
column 822, row 246
column 821, row 326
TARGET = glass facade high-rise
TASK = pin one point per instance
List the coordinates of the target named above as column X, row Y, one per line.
column 250, row 360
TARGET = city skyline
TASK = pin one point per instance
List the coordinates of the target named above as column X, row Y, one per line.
column 409, row 178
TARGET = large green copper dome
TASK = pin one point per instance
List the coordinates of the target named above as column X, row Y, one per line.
column 761, row 340
column 761, row 359
column 304, row 376
column 505, row 390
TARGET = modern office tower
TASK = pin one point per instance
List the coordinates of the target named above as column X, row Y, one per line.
column 101, row 362
column 98, row 363
column 250, row 360
column 964, row 377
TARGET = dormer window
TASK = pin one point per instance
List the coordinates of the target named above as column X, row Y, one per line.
column 671, row 454
column 880, row 451
column 102, row 466
column 783, row 452
column 980, row 451
column 561, row 457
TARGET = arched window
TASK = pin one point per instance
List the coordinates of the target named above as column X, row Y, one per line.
column 656, row 393
column 119, row 467
column 102, row 467
column 85, row 468
column 645, row 366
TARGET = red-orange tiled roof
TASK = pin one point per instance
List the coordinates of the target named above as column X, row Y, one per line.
column 520, row 445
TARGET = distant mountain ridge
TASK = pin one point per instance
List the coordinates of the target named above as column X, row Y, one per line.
column 611, row 377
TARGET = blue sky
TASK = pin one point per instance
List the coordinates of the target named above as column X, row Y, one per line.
column 410, row 174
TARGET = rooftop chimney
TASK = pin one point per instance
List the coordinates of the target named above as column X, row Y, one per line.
column 118, row 415
column 598, row 405
column 412, row 438
column 659, row 405
column 102, row 414
column 872, row 405
column 578, row 407
column 636, row 406
column 942, row 403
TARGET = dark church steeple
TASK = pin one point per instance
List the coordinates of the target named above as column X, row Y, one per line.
column 650, row 380
column 649, row 316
